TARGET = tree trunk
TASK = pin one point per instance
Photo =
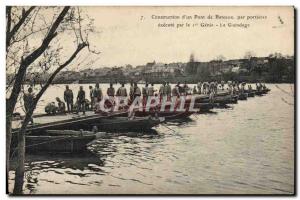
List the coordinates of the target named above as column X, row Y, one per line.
column 9, row 112
column 20, row 170
column 8, row 141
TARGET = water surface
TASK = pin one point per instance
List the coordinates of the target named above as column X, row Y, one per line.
column 246, row 149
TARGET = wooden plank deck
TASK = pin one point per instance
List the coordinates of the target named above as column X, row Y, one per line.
column 52, row 121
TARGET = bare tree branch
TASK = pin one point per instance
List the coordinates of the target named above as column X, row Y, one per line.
column 10, row 33
column 31, row 58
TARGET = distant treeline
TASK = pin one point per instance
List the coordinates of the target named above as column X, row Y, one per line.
column 272, row 69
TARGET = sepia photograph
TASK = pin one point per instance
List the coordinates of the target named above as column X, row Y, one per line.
column 150, row 100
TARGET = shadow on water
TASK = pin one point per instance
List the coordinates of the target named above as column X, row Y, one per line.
column 183, row 122
column 207, row 112
column 60, row 161
column 82, row 165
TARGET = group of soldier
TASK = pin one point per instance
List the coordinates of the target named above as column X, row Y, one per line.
column 233, row 87
column 96, row 94
column 82, row 103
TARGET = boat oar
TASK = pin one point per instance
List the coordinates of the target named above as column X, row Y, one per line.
column 195, row 114
column 169, row 128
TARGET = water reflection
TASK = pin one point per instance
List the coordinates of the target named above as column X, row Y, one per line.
column 244, row 149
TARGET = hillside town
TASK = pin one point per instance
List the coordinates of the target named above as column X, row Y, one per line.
column 272, row 69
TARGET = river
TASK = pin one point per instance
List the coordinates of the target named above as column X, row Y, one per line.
column 245, row 149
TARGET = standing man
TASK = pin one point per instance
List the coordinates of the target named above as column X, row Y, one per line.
column 162, row 91
column 222, row 85
column 168, row 90
column 97, row 93
column 151, row 90
column 195, row 90
column 186, row 88
column 205, row 88
column 199, row 86
column 81, row 100
column 131, row 91
column 68, row 97
column 176, row 90
column 136, row 91
column 122, row 92
column 145, row 93
column 211, row 87
column 216, row 87
column 28, row 102
column 91, row 97
column 111, row 91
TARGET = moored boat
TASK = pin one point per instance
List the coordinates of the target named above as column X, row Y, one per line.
column 57, row 141
column 127, row 124
column 251, row 94
column 243, row 96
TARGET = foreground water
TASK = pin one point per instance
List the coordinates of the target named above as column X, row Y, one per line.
column 246, row 149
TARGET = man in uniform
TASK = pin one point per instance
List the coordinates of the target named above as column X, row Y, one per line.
column 199, row 86
column 145, row 93
column 61, row 105
column 91, row 96
column 131, row 91
column 111, row 90
column 81, row 100
column 168, row 90
column 162, row 91
column 122, row 92
column 222, row 85
column 176, row 90
column 28, row 101
column 97, row 94
column 211, row 87
column 185, row 88
column 151, row 90
column 68, row 97
column 136, row 91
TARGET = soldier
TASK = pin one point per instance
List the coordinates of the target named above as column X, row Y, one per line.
column 136, row 91
column 185, row 88
column 131, row 88
column 216, row 87
column 162, row 89
column 222, row 85
column 151, row 90
column 211, row 87
column 204, row 89
column 195, row 90
column 111, row 91
column 81, row 100
column 61, row 106
column 176, row 90
column 199, row 86
column 97, row 93
column 28, row 101
column 91, row 96
column 249, row 88
column 168, row 90
column 68, row 97
column 122, row 92
column 145, row 93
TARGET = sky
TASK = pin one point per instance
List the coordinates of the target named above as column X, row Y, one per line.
column 130, row 35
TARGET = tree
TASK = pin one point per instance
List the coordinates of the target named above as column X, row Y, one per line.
column 249, row 54
column 33, row 44
column 220, row 58
column 191, row 65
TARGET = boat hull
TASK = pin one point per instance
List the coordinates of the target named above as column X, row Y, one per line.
column 55, row 143
column 120, row 124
